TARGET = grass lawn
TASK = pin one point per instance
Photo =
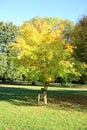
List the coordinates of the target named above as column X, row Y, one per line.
column 66, row 109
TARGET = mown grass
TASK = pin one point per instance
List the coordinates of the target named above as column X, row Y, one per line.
column 66, row 109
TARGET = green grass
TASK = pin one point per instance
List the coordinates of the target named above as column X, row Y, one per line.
column 66, row 109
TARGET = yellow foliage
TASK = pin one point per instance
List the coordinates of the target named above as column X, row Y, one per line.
column 39, row 44
column 70, row 48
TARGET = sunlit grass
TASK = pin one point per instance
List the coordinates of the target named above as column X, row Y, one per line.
column 66, row 109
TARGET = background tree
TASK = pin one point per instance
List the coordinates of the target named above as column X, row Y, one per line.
column 79, row 38
column 8, row 32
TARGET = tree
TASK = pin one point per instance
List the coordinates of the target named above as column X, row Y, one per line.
column 42, row 45
column 8, row 32
column 3, row 65
column 36, row 47
column 44, row 51
column 79, row 38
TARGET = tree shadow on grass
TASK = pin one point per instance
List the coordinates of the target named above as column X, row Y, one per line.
column 63, row 99
column 69, row 99
column 19, row 96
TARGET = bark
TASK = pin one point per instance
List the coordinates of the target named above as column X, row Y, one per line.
column 43, row 95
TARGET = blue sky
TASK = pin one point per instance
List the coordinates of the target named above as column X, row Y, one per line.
column 18, row 11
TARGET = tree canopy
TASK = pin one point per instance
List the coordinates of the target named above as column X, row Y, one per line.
column 8, row 32
column 80, row 39
column 43, row 48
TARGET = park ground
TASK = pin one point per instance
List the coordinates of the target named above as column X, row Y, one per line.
column 66, row 108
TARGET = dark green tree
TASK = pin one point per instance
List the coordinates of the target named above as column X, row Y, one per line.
column 79, row 37
column 8, row 32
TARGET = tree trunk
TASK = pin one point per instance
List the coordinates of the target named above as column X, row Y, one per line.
column 44, row 93
column 45, row 99
column 44, row 96
column 38, row 99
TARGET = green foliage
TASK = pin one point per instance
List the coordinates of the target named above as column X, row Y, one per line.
column 9, row 70
column 80, row 39
column 8, row 32
column 3, row 64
